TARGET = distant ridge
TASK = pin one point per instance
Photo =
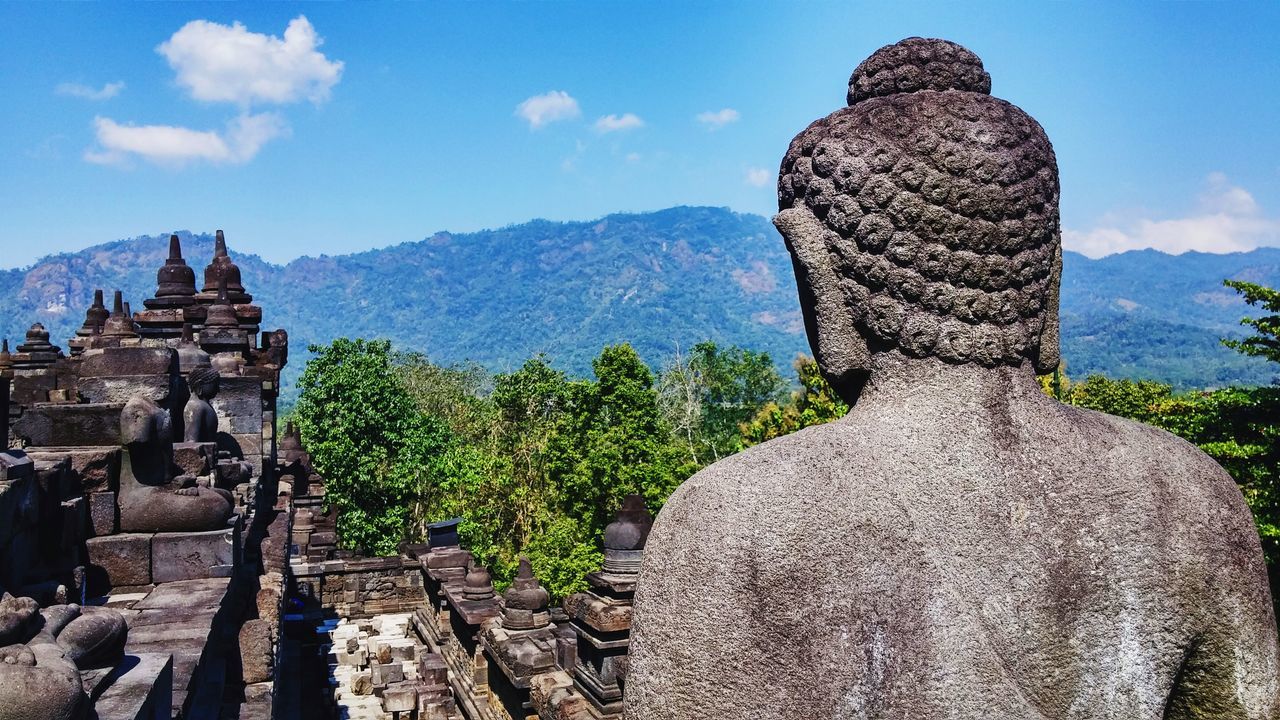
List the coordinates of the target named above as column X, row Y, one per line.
column 659, row 279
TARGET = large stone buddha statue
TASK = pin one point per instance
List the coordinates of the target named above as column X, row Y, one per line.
column 960, row 545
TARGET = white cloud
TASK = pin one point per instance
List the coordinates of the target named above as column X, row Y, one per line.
column 228, row 63
column 719, row 118
column 756, row 177
column 616, row 123
column 541, row 110
column 1226, row 219
column 106, row 92
column 633, row 157
column 174, row 146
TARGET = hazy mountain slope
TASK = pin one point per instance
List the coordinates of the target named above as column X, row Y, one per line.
column 657, row 279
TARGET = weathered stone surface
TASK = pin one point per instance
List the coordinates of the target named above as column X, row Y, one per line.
column 400, row 648
column 141, row 689
column 268, row 597
column 103, row 516
column 239, row 405
column 362, row 684
column 96, row 468
column 192, row 555
column 356, row 659
column 194, row 458
column 960, row 545
column 64, row 425
column 128, row 361
column 205, row 593
column 33, row 386
column 120, row 389
column 257, row 653
column 124, row 558
column 599, row 613
column 400, row 697
column 385, row 674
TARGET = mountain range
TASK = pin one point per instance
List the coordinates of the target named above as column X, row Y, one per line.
column 661, row 280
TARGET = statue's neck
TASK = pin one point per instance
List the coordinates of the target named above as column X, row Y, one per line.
column 897, row 380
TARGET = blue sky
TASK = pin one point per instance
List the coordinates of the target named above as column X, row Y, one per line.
column 374, row 124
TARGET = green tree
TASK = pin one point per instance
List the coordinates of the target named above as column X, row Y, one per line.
column 1266, row 342
column 376, row 452
column 813, row 404
column 613, row 441
column 1136, row 399
column 457, row 394
column 706, row 397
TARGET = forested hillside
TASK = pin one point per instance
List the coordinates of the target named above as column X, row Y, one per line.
column 656, row 280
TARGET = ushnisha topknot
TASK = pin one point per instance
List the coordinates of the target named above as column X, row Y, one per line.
column 918, row 64
column 925, row 216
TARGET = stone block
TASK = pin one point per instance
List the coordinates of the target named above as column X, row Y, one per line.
column 120, row 389
column 380, row 649
column 267, row 601
column 401, row 649
column 70, row 425
column 229, row 474
column 125, row 558
column 94, row 468
column 239, row 398
column 257, row 653
column 401, row 697
column 104, row 517
column 357, row 659
column 33, row 386
column 140, row 687
column 192, row 555
column 195, row 458
column 15, row 465
column 447, row 557
column 246, row 445
column 432, row 669
column 362, row 684
column 127, row 361
column 383, row 675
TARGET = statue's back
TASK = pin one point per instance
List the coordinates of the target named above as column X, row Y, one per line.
column 904, row 563
column 960, row 545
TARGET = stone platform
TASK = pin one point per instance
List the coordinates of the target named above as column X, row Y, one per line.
column 184, row 619
column 139, row 687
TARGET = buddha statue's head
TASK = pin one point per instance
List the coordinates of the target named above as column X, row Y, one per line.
column 922, row 219
column 204, row 383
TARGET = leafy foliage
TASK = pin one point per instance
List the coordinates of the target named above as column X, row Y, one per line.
column 374, row 449
column 814, row 403
column 708, row 395
column 1265, row 343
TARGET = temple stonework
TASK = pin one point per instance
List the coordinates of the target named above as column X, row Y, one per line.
column 144, row 532
column 960, row 545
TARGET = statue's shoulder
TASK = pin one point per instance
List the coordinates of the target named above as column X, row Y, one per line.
column 1142, row 460
column 782, row 474
column 1124, row 437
